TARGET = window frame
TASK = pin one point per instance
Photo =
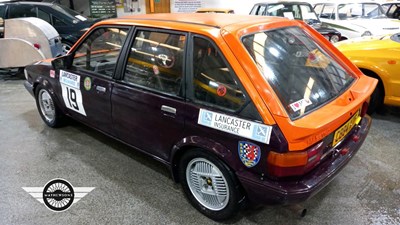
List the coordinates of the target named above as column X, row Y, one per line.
column 23, row 6
column 38, row 9
column 333, row 56
column 190, row 78
column 124, row 61
column 122, row 52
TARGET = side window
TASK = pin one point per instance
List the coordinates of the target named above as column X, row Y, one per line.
column 258, row 10
column 396, row 12
column 318, row 9
column 100, row 50
column 44, row 16
column 17, row 11
column 213, row 81
column 2, row 11
column 261, row 10
column 328, row 12
column 156, row 61
column 58, row 22
column 297, row 12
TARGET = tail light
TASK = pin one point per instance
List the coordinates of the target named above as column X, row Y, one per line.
column 36, row 45
column 294, row 163
column 364, row 109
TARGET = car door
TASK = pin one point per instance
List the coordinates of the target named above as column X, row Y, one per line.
column 87, row 85
column 218, row 107
column 148, row 103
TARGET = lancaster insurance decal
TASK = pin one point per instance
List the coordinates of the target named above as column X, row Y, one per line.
column 72, row 96
column 229, row 124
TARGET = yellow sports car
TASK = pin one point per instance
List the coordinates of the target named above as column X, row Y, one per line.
column 377, row 57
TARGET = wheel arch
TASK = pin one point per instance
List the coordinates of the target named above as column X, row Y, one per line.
column 49, row 86
column 195, row 142
column 375, row 75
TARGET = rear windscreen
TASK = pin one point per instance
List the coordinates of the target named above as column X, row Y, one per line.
column 302, row 74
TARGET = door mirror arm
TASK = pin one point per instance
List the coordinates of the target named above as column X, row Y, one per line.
column 63, row 62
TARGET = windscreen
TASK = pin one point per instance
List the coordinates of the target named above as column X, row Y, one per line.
column 302, row 74
column 292, row 11
column 360, row 10
column 73, row 15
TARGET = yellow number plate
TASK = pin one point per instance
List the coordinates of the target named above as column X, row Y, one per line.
column 345, row 129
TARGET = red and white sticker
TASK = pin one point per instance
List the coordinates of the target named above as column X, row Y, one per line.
column 52, row 73
column 302, row 103
column 221, row 90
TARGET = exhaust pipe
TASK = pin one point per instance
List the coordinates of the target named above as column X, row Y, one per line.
column 297, row 209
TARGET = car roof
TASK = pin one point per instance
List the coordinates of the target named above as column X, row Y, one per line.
column 283, row 2
column 345, row 2
column 213, row 9
column 199, row 20
column 29, row 2
column 390, row 3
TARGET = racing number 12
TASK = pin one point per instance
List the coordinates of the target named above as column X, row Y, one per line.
column 71, row 95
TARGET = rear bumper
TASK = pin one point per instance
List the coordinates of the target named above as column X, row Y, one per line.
column 266, row 191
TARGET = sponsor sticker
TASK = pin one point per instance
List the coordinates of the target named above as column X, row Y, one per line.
column 70, row 79
column 87, row 83
column 52, row 73
column 302, row 103
column 317, row 59
column 72, row 96
column 249, row 153
column 233, row 125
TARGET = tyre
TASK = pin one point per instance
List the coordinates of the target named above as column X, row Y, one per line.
column 66, row 46
column 376, row 100
column 210, row 186
column 47, row 108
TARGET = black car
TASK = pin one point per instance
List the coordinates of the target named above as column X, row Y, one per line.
column 299, row 11
column 68, row 23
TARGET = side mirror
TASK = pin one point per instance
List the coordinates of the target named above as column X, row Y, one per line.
column 63, row 62
column 1, row 27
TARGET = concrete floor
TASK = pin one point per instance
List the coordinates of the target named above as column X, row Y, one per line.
column 131, row 188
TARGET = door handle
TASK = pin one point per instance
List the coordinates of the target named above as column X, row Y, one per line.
column 101, row 89
column 168, row 109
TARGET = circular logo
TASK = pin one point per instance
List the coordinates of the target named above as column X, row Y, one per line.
column 58, row 195
column 87, row 83
column 221, row 90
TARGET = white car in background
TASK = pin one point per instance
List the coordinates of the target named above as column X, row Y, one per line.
column 356, row 19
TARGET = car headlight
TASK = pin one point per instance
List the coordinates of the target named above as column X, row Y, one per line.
column 334, row 38
column 366, row 33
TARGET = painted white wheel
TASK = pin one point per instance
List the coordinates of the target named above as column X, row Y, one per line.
column 46, row 105
column 65, row 48
column 207, row 184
